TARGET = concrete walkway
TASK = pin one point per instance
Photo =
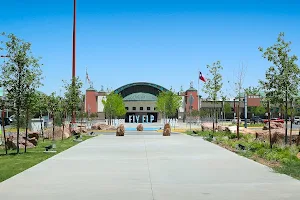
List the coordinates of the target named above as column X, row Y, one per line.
column 147, row 167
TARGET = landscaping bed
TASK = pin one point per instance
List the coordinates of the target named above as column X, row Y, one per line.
column 281, row 158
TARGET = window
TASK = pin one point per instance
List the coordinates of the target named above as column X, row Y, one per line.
column 133, row 108
column 126, row 108
column 154, row 108
column 148, row 108
column 141, row 108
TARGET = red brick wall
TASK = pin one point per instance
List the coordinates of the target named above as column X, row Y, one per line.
column 91, row 101
column 253, row 100
column 195, row 103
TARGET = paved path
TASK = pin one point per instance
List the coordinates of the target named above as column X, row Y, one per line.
column 147, row 167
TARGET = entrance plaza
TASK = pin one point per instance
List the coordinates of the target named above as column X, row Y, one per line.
column 147, row 166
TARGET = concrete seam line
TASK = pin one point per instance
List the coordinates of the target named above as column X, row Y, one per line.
column 148, row 168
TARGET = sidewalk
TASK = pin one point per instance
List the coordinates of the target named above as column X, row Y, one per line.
column 147, row 167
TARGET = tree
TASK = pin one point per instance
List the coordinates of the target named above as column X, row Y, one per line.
column 73, row 95
column 282, row 78
column 53, row 102
column 114, row 106
column 214, row 85
column 259, row 110
column 252, row 90
column 20, row 74
column 227, row 107
column 168, row 103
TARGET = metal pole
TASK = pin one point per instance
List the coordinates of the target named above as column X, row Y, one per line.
column 74, row 57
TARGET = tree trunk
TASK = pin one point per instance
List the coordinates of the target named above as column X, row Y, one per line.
column 18, row 128
column 42, row 126
column 269, row 120
column 53, row 129
column 291, row 128
column 286, row 114
column 63, row 128
column 214, row 116
column 26, row 131
column 238, row 121
column 3, row 129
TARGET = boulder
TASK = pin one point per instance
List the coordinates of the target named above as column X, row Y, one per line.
column 10, row 144
column 33, row 141
column 167, row 130
column 298, row 155
column 273, row 125
column 140, row 127
column 231, row 129
column 207, row 126
column 120, row 130
column 58, row 131
column 222, row 128
column 34, row 135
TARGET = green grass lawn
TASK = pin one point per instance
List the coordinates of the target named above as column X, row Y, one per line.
column 281, row 158
column 13, row 164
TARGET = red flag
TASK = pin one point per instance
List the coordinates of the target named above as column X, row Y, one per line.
column 201, row 77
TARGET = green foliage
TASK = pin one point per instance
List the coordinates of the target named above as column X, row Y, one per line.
column 73, row 95
column 282, row 78
column 168, row 102
column 259, row 110
column 252, row 90
column 114, row 106
column 214, row 83
column 227, row 107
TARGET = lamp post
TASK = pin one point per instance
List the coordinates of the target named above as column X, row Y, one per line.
column 74, row 57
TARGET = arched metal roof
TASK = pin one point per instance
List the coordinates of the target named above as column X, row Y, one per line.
column 140, row 87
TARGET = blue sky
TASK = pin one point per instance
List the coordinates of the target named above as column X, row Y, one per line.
column 164, row 42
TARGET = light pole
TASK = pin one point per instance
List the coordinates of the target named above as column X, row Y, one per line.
column 74, row 57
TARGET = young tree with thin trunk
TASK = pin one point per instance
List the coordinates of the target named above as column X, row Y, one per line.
column 114, row 106
column 73, row 94
column 21, row 70
column 214, row 85
column 282, row 78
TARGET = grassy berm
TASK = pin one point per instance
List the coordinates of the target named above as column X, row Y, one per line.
column 281, row 158
column 13, row 163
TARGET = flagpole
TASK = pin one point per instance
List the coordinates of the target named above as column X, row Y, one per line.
column 198, row 90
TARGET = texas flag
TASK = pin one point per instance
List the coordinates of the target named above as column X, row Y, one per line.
column 201, row 77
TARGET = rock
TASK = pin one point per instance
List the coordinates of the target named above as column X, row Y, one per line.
column 273, row 125
column 10, row 143
column 167, row 130
column 58, row 131
column 33, row 141
column 231, row 129
column 120, row 130
column 207, row 126
column 34, row 135
column 140, row 127
column 222, row 128
column 99, row 126
column 298, row 155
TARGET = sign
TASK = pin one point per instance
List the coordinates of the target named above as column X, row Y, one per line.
column 140, row 118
